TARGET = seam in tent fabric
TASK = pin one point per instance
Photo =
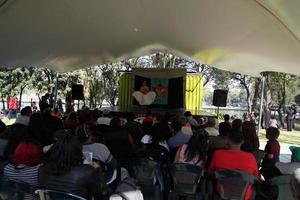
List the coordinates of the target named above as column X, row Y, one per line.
column 3, row 3
column 278, row 18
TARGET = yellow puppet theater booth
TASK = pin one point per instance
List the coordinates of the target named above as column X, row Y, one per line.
column 193, row 91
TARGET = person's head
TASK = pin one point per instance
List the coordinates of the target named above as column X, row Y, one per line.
column 115, row 122
column 84, row 116
column 28, row 153
column 295, row 184
column 197, row 146
column 65, row 154
column 224, row 128
column 26, row 111
column 72, row 116
column 130, row 117
column 295, row 153
column 147, row 126
column 211, row 122
column 249, row 133
column 237, row 124
column 188, row 114
column 235, row 139
column 160, row 131
column 95, row 114
column 82, row 133
column 272, row 117
column 272, row 133
column 60, row 134
column 226, row 118
column 176, row 125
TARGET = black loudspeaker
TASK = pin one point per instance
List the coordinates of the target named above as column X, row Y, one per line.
column 77, row 92
column 220, row 98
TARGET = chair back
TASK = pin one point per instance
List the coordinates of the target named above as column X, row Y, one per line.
column 56, row 195
column 144, row 170
column 234, row 183
column 185, row 177
column 284, row 188
column 259, row 156
column 12, row 190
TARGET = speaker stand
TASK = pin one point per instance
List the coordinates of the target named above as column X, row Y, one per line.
column 218, row 110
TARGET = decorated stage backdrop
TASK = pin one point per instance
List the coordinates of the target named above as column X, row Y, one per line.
column 191, row 86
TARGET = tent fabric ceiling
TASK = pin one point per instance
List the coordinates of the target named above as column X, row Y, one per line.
column 245, row 36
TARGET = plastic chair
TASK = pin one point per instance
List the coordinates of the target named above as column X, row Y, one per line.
column 259, row 156
column 12, row 190
column 284, row 189
column 148, row 175
column 185, row 180
column 234, row 184
column 56, row 195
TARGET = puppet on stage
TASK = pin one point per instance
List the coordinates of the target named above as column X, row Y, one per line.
column 144, row 96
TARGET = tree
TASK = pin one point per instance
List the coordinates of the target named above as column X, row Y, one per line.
column 297, row 99
column 246, row 82
column 280, row 87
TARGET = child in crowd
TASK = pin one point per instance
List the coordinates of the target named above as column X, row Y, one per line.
column 273, row 122
column 273, row 151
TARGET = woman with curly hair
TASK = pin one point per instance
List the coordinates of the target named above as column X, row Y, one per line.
column 63, row 170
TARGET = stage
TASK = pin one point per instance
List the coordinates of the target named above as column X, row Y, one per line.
column 141, row 111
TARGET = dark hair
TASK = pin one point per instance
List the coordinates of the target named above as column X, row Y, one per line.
column 236, row 136
column 237, row 124
column 147, row 126
column 160, row 132
column 224, row 128
column 115, row 122
column 130, row 116
column 95, row 114
column 57, row 135
column 197, row 146
column 211, row 122
column 226, row 117
column 250, row 136
column 65, row 154
column 72, row 116
column 82, row 133
column 176, row 125
column 28, row 152
column 26, row 110
column 272, row 132
column 187, row 114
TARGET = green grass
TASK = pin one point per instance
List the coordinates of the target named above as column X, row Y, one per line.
column 284, row 137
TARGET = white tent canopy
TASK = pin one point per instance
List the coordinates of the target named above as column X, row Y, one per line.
column 246, row 36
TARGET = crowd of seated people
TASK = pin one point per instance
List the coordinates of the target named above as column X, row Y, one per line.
column 47, row 151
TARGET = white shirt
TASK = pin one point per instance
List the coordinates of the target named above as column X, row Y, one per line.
column 147, row 139
column 212, row 131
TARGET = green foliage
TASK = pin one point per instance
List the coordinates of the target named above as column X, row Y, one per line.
column 297, row 99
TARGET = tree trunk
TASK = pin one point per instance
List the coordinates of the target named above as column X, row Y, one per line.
column 256, row 95
column 3, row 104
column 21, row 93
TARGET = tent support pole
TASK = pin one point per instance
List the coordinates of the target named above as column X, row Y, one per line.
column 261, row 102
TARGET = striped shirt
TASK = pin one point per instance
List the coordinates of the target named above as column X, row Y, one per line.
column 27, row 174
